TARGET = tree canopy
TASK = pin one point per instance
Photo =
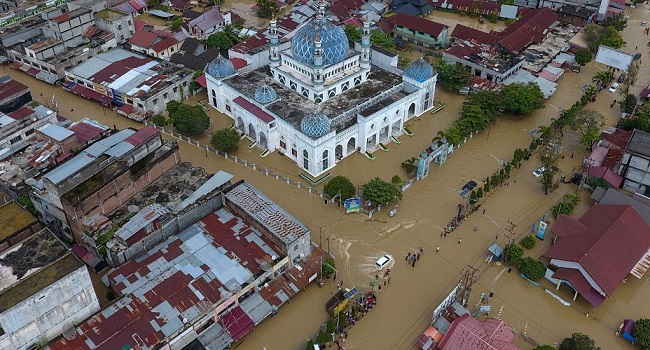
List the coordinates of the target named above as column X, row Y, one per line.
column 597, row 35
column 194, row 85
column 578, row 341
column 225, row 140
column 583, row 56
column 224, row 39
column 189, row 120
column 353, row 33
column 548, row 159
column 522, row 99
column 267, row 8
column 379, row 192
column 642, row 333
column 531, row 268
column 452, row 76
column 588, row 124
column 514, row 252
column 545, row 347
column 340, row 184
column 619, row 22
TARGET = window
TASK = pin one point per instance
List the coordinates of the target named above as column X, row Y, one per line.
column 140, row 106
column 165, row 95
column 305, row 92
column 293, row 151
column 172, row 49
column 283, row 144
column 29, row 132
column 282, row 81
column 15, row 139
column 130, row 23
column 119, row 27
column 318, row 98
column 155, row 101
column 326, row 159
column 293, row 86
column 331, row 92
column 345, row 86
column 305, row 159
column 175, row 89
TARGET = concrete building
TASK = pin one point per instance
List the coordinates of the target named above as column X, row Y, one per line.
column 69, row 27
column 484, row 61
column 425, row 35
column 116, row 22
column 214, row 281
column 45, row 291
column 64, row 138
column 139, row 86
column 19, row 126
column 16, row 224
column 318, row 102
column 635, row 164
column 22, row 34
column 596, row 253
column 160, row 44
column 209, row 22
column 13, row 94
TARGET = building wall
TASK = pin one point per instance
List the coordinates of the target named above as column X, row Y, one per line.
column 123, row 28
column 484, row 72
column 47, row 52
column 20, row 235
column 157, row 103
column 23, row 131
column 67, row 301
column 422, row 39
column 635, row 169
column 23, row 37
column 576, row 266
column 71, row 30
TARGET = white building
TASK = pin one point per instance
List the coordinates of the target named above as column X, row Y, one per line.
column 319, row 101
column 19, row 126
column 45, row 291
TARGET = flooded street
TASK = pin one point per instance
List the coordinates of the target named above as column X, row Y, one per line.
column 404, row 306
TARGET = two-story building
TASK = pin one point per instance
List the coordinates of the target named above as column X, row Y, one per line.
column 209, row 22
column 69, row 27
column 116, row 22
column 157, row 43
column 425, row 35
column 19, row 126
column 635, row 164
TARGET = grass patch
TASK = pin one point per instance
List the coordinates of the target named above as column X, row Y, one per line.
column 314, row 182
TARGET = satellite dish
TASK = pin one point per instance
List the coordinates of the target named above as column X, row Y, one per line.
column 69, row 332
column 133, row 208
column 30, row 181
column 234, row 287
column 266, row 266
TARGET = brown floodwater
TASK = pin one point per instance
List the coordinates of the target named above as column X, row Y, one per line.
column 405, row 305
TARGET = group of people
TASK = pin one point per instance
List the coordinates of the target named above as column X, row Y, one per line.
column 411, row 258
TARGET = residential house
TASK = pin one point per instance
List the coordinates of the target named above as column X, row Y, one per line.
column 194, row 54
column 13, row 94
column 420, row 32
column 635, row 164
column 19, row 126
column 116, row 22
column 209, row 22
column 134, row 7
column 614, row 196
column 596, row 253
column 157, row 43
column 138, row 85
column 484, row 61
column 64, row 138
column 46, row 292
column 412, row 7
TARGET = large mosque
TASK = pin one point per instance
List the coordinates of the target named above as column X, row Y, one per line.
column 320, row 101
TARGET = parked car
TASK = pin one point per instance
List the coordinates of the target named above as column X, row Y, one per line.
column 613, row 88
column 621, row 77
column 644, row 23
column 383, row 261
column 637, row 56
column 539, row 172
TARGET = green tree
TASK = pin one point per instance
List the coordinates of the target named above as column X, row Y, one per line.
column 452, row 76
column 396, row 180
column 629, row 103
column 596, row 35
column 613, row 38
column 189, row 120
column 329, row 267
column 340, row 184
column 172, row 106
column 225, row 140
column 531, row 268
column 353, row 33
column 522, row 99
column 159, row 120
column 583, row 56
column 548, row 159
column 578, row 341
column 321, row 338
column 619, row 22
column 473, row 198
column 486, row 187
column 566, row 205
column 627, row 85
column 28, row 205
column 641, row 333
column 310, row 345
column 176, row 23
column 403, row 61
column 545, row 347
column 410, row 166
column 267, row 8
column 588, row 124
column 153, row 3
column 597, row 182
column 194, row 85
column 514, row 252
column 642, row 123
column 479, row 193
column 381, row 39
column 528, row 242
column 379, row 192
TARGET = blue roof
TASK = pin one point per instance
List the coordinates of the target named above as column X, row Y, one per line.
column 220, row 67
column 315, row 124
column 419, row 70
column 334, row 42
column 56, row 132
column 265, row 94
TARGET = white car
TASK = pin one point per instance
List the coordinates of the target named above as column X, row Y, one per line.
column 383, row 261
column 539, row 172
column 644, row 23
column 614, row 87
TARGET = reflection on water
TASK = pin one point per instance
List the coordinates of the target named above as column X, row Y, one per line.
column 405, row 306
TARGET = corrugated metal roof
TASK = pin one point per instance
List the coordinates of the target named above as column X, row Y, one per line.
column 217, row 180
column 143, row 218
column 55, row 132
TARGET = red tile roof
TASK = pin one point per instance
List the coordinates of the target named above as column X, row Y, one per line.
column 20, row 113
column 143, row 38
column 85, row 131
column 257, row 111
column 344, row 9
column 606, row 174
column 238, row 63
column 201, row 81
column 164, row 44
column 139, row 24
column 531, row 28
column 142, row 135
column 419, row 24
column 470, row 34
column 11, row 88
column 607, row 241
column 386, row 24
column 467, row 333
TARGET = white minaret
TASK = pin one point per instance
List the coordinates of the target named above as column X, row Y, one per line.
column 318, row 61
column 274, row 43
column 365, row 44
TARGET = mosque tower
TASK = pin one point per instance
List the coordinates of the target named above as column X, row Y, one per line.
column 274, row 43
column 365, row 44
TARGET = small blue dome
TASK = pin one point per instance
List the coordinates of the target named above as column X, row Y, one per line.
column 419, row 70
column 220, row 67
column 315, row 124
column 265, row 94
column 334, row 42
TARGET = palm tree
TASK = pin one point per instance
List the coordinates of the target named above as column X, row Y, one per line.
column 603, row 78
column 410, row 166
column 591, row 92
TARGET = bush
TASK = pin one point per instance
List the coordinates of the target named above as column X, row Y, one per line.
column 328, row 267
column 514, row 252
column 396, row 180
column 642, row 333
column 578, row 341
column 532, row 269
column 159, row 120
column 340, row 184
column 583, row 57
column 225, row 140
column 190, row 120
column 110, row 295
column 528, row 242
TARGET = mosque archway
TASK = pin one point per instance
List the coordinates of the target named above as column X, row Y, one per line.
column 352, row 145
column 263, row 141
column 251, row 132
column 240, row 124
column 411, row 110
column 338, row 151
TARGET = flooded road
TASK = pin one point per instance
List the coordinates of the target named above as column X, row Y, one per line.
column 405, row 305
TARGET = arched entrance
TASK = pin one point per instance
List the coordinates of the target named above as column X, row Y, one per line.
column 352, row 145
column 411, row 112
column 263, row 141
column 251, row 132
column 240, row 124
column 338, row 151
column 427, row 100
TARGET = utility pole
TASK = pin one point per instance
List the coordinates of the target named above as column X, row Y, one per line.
column 470, row 275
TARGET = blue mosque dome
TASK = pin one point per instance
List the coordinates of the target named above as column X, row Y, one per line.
column 315, row 124
column 220, row 67
column 334, row 42
column 265, row 94
column 419, row 70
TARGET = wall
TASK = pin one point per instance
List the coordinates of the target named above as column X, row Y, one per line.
column 122, row 28
column 20, row 235
column 46, row 313
column 183, row 90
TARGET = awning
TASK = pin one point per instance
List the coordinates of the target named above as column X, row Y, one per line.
column 201, row 81
column 237, row 322
column 91, row 94
column 33, row 71
column 15, row 65
column 126, row 109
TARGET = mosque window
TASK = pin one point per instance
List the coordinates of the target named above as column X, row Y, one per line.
column 282, row 81
column 283, row 144
column 293, row 85
column 318, row 98
column 345, row 86
column 305, row 159
column 326, row 159
column 357, row 81
column 331, row 92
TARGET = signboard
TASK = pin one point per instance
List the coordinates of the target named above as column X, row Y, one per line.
column 353, row 205
column 541, row 230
